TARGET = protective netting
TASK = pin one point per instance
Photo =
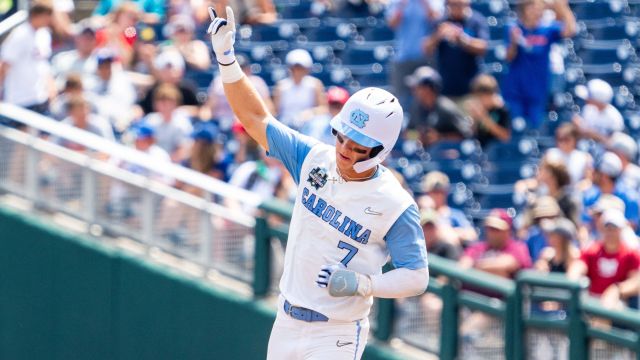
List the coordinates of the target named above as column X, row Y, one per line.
column 481, row 336
column 418, row 321
column 546, row 344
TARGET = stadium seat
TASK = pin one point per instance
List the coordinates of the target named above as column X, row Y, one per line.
column 491, row 7
column 515, row 151
column 603, row 52
column 619, row 32
column 588, row 10
column 377, row 34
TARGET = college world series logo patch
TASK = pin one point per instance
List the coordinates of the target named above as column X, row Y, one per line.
column 317, row 177
column 358, row 118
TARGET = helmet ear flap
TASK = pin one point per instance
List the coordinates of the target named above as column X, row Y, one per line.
column 375, row 151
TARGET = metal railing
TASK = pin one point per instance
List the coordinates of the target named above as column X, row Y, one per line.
column 536, row 316
column 123, row 192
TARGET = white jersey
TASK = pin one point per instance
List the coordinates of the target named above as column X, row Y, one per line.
column 336, row 221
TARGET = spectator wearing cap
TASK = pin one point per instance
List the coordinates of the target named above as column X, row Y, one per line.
column 596, row 227
column 113, row 92
column 410, row 20
column 491, row 119
column 81, row 59
column 626, row 148
column 434, row 116
column 453, row 221
column 605, row 181
column 180, row 31
column 579, row 163
column 499, row 253
column 172, row 126
column 611, row 267
column 318, row 126
column 145, row 141
column 599, row 119
column 526, row 84
column 217, row 106
column 205, row 155
column 544, row 208
column 24, row 61
column 299, row 91
column 152, row 11
column 561, row 251
column 460, row 40
column 169, row 67
column 437, row 237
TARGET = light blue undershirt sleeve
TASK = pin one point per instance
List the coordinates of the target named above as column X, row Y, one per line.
column 405, row 241
column 288, row 146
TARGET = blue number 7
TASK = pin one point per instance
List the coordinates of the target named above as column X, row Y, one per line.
column 352, row 252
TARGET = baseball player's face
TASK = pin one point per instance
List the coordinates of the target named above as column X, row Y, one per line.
column 349, row 152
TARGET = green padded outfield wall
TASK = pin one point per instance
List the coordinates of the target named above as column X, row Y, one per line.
column 66, row 297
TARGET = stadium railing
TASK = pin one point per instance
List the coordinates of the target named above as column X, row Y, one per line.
column 119, row 191
column 535, row 316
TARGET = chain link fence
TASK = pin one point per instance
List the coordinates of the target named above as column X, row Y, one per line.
column 418, row 321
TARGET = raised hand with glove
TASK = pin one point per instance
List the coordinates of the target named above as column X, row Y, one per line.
column 223, row 36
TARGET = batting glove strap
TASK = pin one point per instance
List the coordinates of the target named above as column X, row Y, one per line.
column 343, row 282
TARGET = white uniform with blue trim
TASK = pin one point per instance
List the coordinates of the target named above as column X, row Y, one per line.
column 357, row 223
column 338, row 221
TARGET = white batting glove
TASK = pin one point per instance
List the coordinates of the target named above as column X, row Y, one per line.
column 223, row 36
column 342, row 282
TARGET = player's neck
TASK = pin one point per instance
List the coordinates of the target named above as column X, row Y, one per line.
column 352, row 175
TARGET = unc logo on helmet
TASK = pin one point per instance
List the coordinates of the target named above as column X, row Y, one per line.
column 358, row 118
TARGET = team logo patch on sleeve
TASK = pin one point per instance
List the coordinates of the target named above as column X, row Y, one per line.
column 359, row 118
column 317, row 177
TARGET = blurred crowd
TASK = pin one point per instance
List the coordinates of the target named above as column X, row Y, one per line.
column 577, row 214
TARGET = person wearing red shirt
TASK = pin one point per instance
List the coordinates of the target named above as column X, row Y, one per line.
column 500, row 254
column 611, row 267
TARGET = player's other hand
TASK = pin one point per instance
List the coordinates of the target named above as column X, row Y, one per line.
column 342, row 282
column 325, row 273
column 223, row 36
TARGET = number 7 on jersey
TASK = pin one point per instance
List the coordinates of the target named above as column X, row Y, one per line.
column 352, row 252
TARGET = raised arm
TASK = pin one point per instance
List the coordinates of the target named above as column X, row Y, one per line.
column 245, row 101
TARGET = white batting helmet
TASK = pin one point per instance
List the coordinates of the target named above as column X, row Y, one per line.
column 371, row 117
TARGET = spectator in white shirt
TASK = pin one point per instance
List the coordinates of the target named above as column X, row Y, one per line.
column 171, row 125
column 81, row 59
column 626, row 148
column 24, row 61
column 298, row 92
column 578, row 162
column 113, row 90
column 599, row 119
column 80, row 116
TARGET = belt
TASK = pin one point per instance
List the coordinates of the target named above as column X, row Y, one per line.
column 303, row 314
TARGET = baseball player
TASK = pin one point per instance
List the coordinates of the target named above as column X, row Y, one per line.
column 349, row 216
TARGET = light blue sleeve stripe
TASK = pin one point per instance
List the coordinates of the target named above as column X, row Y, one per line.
column 405, row 241
column 288, row 146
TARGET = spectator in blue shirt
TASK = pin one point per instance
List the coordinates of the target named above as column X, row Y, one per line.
column 526, row 85
column 452, row 222
column 460, row 41
column 410, row 20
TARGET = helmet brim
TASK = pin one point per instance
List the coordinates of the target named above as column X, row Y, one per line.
column 353, row 134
